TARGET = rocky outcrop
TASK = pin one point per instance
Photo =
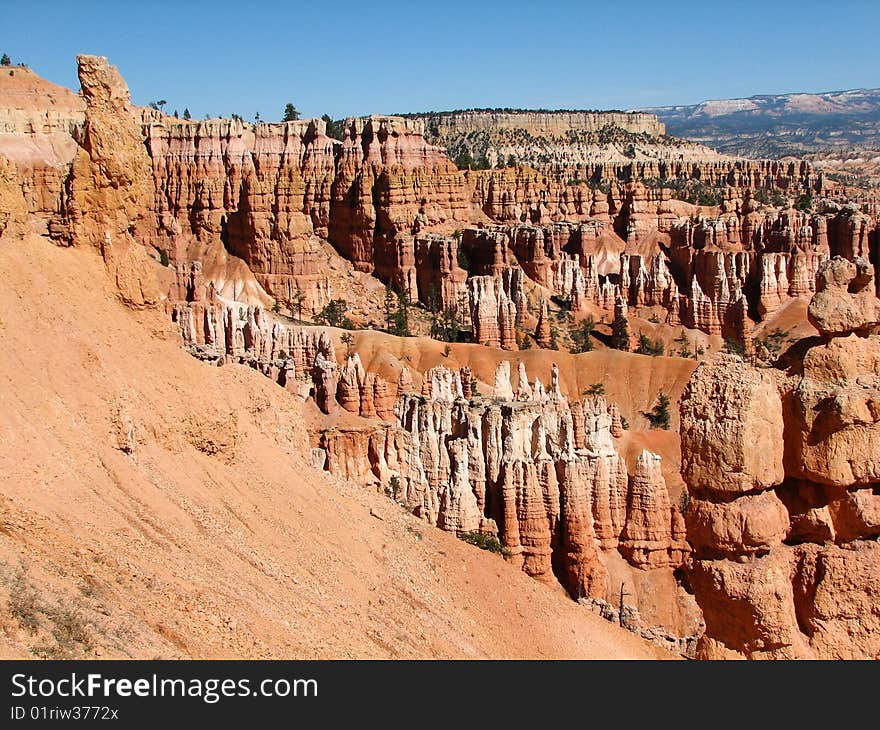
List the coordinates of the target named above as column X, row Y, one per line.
column 741, row 452
column 652, row 535
column 39, row 125
column 326, row 378
column 441, row 281
column 390, row 182
column 782, row 471
column 611, row 189
column 366, row 394
column 543, row 331
column 260, row 191
column 301, row 359
column 717, row 274
column 527, row 465
column 537, row 122
column 352, row 377
column 502, row 389
column 13, row 207
column 547, row 140
column 268, row 192
column 493, row 312
column 845, row 300
column 111, row 187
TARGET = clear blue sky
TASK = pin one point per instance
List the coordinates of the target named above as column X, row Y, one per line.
column 345, row 58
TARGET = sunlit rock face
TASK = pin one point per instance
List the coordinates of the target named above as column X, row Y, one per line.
column 783, row 469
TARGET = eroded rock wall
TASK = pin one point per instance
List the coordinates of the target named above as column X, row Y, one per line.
column 783, row 473
column 529, row 466
column 259, row 192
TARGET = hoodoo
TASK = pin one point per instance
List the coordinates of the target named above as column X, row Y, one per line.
column 782, row 469
column 323, row 362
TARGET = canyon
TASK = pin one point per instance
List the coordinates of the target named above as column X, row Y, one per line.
column 229, row 241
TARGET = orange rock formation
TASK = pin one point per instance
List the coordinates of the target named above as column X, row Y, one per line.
column 782, row 468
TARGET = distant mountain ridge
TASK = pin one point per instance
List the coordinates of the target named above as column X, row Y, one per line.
column 768, row 125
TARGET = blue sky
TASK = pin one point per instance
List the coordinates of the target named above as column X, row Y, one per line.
column 347, row 58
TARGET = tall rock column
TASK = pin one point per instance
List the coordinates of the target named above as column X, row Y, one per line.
column 783, row 470
column 732, row 449
column 493, row 312
column 111, row 183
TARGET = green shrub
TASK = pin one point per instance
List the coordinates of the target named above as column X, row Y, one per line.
column 333, row 314
column 394, row 489
column 804, row 202
column 732, row 347
column 24, row 603
column 684, row 501
column 484, row 542
column 464, row 161
column 650, row 347
column 595, row 389
column 658, row 417
column 620, row 333
column 581, row 335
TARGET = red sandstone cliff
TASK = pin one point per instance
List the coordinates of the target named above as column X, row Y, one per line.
column 540, row 472
column 782, row 469
column 252, row 203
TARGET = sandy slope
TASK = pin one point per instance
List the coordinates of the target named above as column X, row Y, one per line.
column 211, row 538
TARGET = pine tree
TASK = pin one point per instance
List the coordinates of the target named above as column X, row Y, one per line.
column 464, row 161
column 580, row 335
column 290, row 113
column 297, row 297
column 397, row 317
column 334, row 314
column 335, row 129
column 186, row 114
column 659, row 415
column 620, row 333
column 595, row 389
column 647, row 346
column 389, row 310
column 5, row 61
column 347, row 340
column 402, row 315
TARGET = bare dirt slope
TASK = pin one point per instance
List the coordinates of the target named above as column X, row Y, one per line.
column 154, row 506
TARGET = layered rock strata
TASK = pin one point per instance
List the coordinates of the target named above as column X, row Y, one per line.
column 252, row 203
column 261, row 192
column 527, row 465
column 300, row 359
column 390, row 182
column 529, row 195
column 720, row 275
column 493, row 309
column 783, row 473
column 39, row 125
